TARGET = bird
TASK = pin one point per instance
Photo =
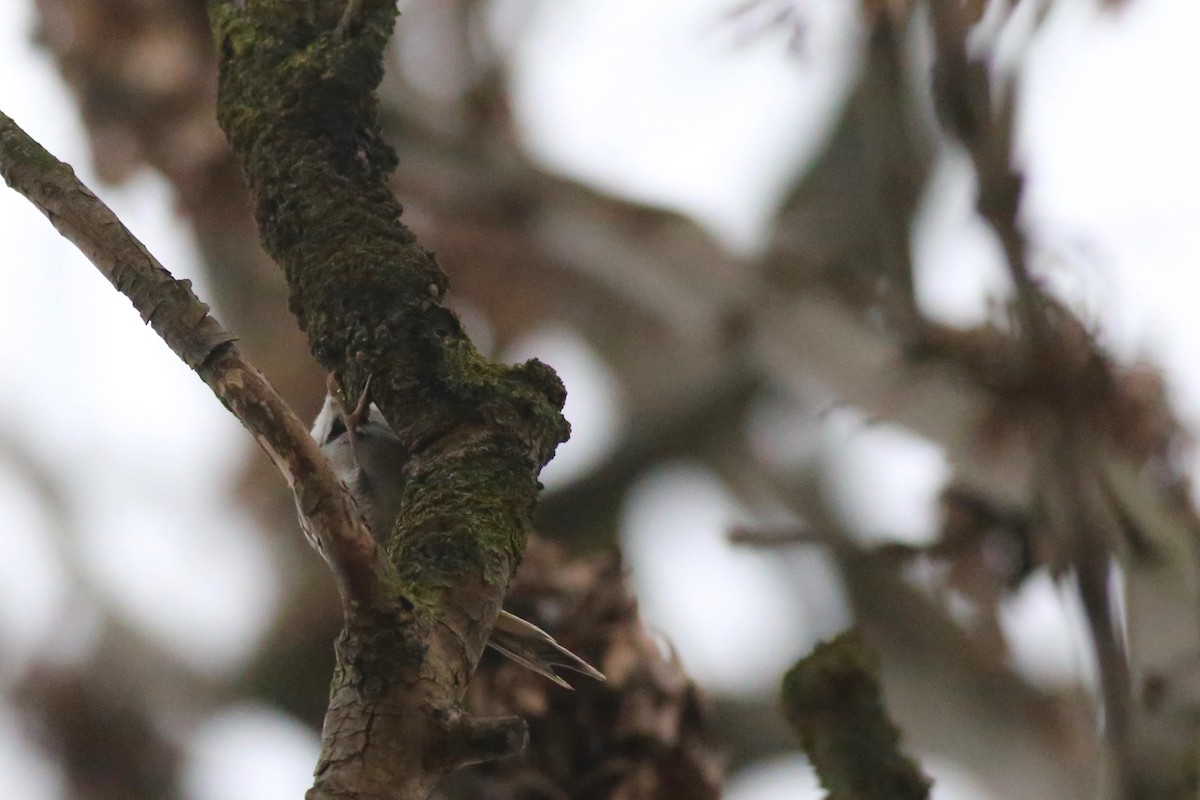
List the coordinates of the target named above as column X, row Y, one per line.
column 368, row 457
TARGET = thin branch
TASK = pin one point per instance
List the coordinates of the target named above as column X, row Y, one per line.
column 175, row 313
column 1080, row 521
column 969, row 109
column 771, row 538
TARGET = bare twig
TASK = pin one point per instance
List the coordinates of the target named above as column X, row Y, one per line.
column 183, row 322
column 771, row 538
column 1076, row 384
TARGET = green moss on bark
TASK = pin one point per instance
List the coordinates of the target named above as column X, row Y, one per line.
column 833, row 700
column 297, row 101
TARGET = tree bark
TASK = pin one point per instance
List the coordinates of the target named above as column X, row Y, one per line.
column 297, row 102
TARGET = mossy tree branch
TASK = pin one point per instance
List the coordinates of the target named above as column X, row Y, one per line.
column 833, row 700
column 297, row 81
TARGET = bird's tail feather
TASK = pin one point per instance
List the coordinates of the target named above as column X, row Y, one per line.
column 533, row 648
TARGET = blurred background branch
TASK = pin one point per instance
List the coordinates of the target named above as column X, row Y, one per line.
column 833, row 700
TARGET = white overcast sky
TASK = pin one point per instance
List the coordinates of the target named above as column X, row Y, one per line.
column 654, row 100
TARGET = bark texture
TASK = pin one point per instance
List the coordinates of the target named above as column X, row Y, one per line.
column 297, row 101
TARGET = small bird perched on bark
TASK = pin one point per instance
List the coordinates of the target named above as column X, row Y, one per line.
column 368, row 457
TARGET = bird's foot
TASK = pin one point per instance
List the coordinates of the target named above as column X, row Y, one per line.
column 354, row 417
